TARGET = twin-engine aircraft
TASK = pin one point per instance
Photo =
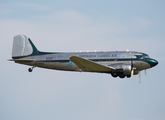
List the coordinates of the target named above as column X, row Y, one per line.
column 117, row 63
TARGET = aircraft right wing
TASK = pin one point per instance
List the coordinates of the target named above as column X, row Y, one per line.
column 90, row 66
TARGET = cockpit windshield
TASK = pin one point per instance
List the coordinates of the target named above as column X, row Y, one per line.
column 144, row 56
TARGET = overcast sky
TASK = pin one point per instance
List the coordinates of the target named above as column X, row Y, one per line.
column 69, row 25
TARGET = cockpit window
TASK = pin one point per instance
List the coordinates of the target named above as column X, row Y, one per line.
column 144, row 56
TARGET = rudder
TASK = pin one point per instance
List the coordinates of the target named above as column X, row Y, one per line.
column 21, row 46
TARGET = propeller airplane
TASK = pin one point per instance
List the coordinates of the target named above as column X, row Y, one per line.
column 117, row 63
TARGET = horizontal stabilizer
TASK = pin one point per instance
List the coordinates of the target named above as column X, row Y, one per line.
column 90, row 66
column 22, row 60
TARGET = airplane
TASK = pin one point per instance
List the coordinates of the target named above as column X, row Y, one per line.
column 117, row 63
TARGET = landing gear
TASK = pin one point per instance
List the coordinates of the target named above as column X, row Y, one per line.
column 31, row 69
column 128, row 76
column 121, row 75
column 114, row 74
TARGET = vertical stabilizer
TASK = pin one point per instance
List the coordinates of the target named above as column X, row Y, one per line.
column 21, row 46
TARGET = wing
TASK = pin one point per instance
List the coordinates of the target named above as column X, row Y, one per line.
column 90, row 66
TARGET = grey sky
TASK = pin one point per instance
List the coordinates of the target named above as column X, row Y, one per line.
column 82, row 25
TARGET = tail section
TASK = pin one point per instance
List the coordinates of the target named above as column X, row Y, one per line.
column 23, row 46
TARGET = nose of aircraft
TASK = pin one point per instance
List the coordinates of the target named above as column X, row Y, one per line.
column 153, row 63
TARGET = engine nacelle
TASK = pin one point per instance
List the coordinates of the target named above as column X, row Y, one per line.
column 127, row 70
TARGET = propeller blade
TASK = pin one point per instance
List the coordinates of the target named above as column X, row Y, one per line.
column 131, row 64
column 131, row 70
column 132, row 75
column 139, row 78
column 145, row 72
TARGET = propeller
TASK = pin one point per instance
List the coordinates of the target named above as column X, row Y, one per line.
column 132, row 75
column 139, row 77
column 131, row 70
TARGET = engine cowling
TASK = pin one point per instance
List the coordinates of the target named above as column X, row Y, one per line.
column 127, row 69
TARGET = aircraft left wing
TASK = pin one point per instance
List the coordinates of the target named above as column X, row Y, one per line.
column 90, row 66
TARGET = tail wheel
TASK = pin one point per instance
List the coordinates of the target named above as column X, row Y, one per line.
column 30, row 69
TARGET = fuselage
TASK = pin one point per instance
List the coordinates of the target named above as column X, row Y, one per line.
column 117, row 63
column 117, row 59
